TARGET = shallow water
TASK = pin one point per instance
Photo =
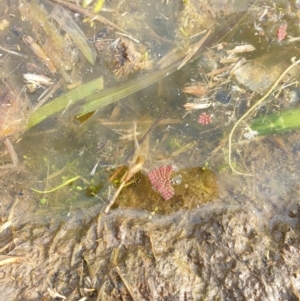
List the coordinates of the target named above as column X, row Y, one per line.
column 61, row 148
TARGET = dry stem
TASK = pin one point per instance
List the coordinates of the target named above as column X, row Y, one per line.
column 194, row 49
column 87, row 13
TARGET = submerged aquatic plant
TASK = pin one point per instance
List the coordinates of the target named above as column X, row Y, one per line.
column 251, row 110
column 160, row 179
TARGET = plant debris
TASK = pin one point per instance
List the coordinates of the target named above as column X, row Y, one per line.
column 92, row 201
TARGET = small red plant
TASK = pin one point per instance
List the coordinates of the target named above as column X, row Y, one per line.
column 281, row 32
column 204, row 119
column 160, row 179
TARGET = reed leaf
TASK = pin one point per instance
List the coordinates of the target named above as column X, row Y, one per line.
column 113, row 94
column 65, row 100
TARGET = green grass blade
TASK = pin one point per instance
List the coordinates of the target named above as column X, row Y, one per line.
column 65, row 100
column 111, row 95
column 57, row 187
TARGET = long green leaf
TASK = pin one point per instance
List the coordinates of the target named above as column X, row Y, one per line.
column 65, row 100
column 113, row 94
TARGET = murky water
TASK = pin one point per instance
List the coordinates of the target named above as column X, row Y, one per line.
column 208, row 199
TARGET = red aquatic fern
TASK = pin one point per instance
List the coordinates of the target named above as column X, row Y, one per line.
column 160, row 179
column 204, row 119
column 281, row 32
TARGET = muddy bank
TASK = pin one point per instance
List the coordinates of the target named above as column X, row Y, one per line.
column 237, row 239
column 215, row 252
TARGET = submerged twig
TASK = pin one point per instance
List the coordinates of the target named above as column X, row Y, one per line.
column 108, row 123
column 92, row 173
column 47, row 94
column 146, row 135
column 89, row 14
column 136, row 165
column 39, row 52
column 13, row 52
column 137, row 161
column 10, row 259
column 54, row 294
column 194, row 49
column 126, row 283
column 36, row 79
column 250, row 111
column 139, row 143
column 11, row 151
column 63, row 18
column 5, row 225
